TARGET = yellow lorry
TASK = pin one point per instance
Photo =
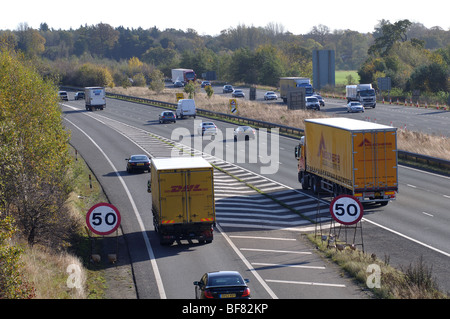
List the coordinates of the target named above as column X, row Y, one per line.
column 183, row 206
column 347, row 156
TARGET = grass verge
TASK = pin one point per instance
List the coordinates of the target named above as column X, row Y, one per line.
column 385, row 282
column 67, row 273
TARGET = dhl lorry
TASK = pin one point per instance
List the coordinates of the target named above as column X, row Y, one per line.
column 347, row 156
column 183, row 206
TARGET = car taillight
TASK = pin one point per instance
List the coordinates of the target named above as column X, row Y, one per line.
column 246, row 292
column 208, row 294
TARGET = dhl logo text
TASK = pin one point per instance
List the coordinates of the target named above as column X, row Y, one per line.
column 185, row 188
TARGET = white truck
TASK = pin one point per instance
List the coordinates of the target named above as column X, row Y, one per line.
column 363, row 93
column 183, row 75
column 95, row 98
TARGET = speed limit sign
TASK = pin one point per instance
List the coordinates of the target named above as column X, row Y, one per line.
column 346, row 209
column 103, row 219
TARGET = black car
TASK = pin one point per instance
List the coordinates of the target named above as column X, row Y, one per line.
column 167, row 116
column 138, row 163
column 222, row 285
column 321, row 100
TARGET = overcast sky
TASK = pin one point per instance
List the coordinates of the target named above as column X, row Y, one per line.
column 211, row 17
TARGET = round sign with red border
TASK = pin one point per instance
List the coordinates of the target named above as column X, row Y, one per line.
column 103, row 219
column 346, row 209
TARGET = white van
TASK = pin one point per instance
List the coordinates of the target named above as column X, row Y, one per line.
column 94, row 98
column 185, row 107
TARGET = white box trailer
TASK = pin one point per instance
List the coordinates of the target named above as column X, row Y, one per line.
column 95, row 98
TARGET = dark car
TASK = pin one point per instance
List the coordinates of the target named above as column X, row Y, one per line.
column 138, row 163
column 205, row 83
column 227, row 88
column 79, row 95
column 167, row 116
column 321, row 100
column 222, row 285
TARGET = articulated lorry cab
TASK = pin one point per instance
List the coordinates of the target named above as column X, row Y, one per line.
column 183, row 206
column 346, row 156
column 363, row 93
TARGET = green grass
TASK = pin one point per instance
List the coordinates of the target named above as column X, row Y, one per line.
column 341, row 77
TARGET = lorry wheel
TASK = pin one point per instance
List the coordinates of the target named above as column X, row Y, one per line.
column 304, row 180
column 316, row 185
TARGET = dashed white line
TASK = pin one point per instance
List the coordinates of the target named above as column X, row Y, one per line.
column 305, row 283
column 269, row 238
column 277, row 251
column 288, row 266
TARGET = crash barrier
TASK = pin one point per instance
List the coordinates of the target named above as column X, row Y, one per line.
column 409, row 156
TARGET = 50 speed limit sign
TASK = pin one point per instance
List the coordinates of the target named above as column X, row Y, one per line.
column 346, row 209
column 103, row 219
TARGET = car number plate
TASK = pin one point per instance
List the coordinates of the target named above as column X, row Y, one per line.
column 227, row 295
column 140, row 164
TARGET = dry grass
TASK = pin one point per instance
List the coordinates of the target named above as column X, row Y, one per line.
column 48, row 271
column 412, row 282
column 430, row 145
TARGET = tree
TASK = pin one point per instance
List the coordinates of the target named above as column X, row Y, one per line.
column 34, row 155
column 390, row 34
column 431, row 78
column 156, row 81
column 268, row 65
column 102, row 38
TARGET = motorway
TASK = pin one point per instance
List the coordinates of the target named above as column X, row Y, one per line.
column 255, row 235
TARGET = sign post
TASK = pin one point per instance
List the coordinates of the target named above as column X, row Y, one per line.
column 103, row 219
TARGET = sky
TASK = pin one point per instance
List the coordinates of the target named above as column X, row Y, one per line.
column 211, row 17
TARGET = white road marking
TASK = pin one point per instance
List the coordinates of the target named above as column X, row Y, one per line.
column 156, row 272
column 305, row 283
column 278, row 251
column 288, row 266
column 254, row 237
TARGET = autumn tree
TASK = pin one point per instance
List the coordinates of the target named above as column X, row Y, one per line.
column 34, row 157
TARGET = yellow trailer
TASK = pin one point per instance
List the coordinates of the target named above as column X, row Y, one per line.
column 182, row 199
column 347, row 156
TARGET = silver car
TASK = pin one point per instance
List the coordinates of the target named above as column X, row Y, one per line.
column 207, row 128
column 270, row 95
column 355, row 107
column 244, row 133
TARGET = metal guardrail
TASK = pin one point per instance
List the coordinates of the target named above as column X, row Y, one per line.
column 418, row 158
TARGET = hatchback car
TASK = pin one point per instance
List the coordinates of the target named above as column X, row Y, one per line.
column 138, row 163
column 167, row 116
column 312, row 103
column 238, row 93
column 270, row 95
column 227, row 88
column 207, row 128
column 222, row 285
column 244, row 133
column 355, row 107
column 63, row 95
